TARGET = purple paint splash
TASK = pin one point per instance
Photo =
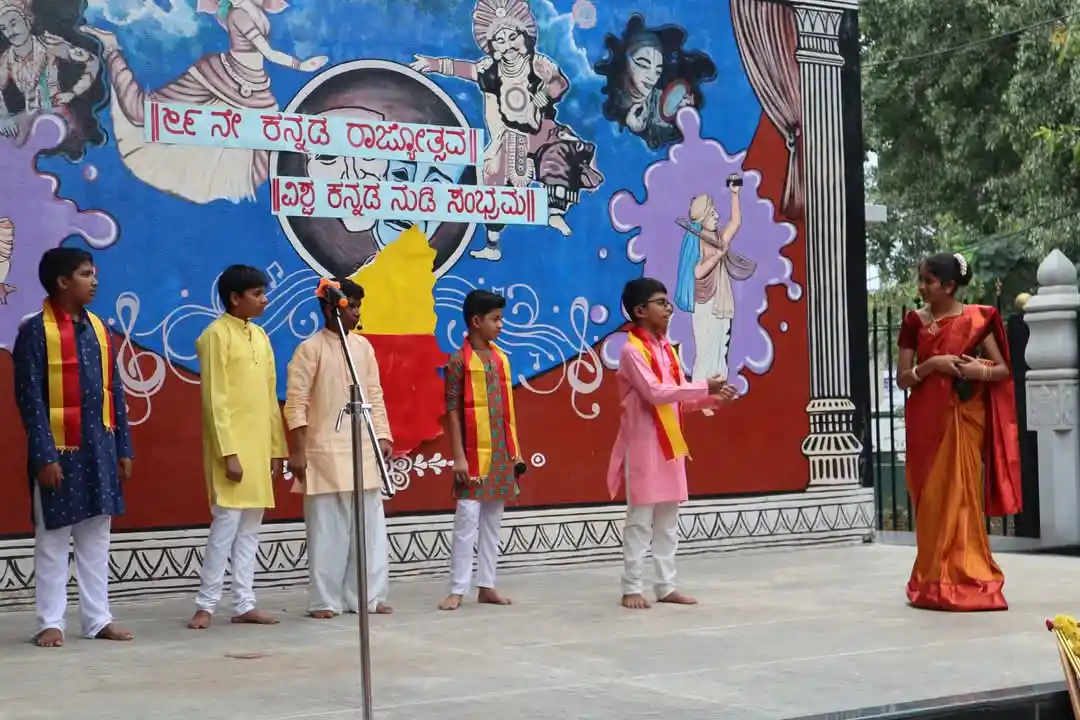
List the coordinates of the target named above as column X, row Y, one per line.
column 693, row 167
column 41, row 220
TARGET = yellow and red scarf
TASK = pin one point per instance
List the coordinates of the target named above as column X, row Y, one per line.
column 62, row 359
column 478, row 410
column 666, row 417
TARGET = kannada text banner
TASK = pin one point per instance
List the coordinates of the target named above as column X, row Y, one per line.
column 220, row 126
column 309, row 197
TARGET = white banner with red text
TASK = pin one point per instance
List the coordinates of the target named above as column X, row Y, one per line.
column 228, row 127
column 489, row 204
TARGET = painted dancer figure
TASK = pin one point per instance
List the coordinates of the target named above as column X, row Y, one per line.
column 487, row 456
column 236, row 78
column 521, row 89
column 961, row 427
column 244, row 446
column 650, row 451
column 79, row 445
column 321, row 464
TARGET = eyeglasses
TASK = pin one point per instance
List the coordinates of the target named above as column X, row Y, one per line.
column 661, row 302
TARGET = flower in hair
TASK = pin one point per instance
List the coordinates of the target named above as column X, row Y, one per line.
column 963, row 264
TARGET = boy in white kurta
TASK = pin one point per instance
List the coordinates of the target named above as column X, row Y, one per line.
column 321, row 463
column 244, row 446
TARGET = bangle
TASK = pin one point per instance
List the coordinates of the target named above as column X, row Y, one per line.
column 914, row 372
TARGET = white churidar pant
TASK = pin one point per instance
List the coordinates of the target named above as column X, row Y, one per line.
column 476, row 526
column 234, row 538
column 51, row 571
column 655, row 526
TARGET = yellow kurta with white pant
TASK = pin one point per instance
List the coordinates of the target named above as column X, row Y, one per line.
column 240, row 411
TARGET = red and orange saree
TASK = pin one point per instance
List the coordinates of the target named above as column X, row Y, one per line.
column 950, row 443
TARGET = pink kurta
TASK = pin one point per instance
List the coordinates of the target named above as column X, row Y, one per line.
column 637, row 456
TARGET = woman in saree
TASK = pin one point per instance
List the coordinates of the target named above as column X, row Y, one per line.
column 961, row 428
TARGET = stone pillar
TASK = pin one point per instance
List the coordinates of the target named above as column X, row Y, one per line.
column 1052, row 398
column 831, row 448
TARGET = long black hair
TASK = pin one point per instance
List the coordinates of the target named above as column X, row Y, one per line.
column 948, row 269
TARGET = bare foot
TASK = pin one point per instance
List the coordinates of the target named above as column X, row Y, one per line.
column 255, row 617
column 635, row 601
column 323, row 614
column 383, row 609
column 677, row 598
column 200, row 620
column 452, row 602
column 51, row 638
column 491, row 596
column 113, row 632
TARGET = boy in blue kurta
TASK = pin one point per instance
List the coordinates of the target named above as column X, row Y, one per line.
column 79, row 445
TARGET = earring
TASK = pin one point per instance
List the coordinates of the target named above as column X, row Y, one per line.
column 497, row 55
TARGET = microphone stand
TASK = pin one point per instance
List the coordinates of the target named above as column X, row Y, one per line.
column 359, row 411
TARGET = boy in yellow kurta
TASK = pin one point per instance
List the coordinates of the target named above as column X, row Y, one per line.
column 243, row 442
column 321, row 463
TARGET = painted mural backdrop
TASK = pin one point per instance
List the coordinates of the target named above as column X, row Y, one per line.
column 664, row 135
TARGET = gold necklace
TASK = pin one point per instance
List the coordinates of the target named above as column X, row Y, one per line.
column 933, row 326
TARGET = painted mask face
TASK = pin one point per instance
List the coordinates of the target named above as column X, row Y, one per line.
column 509, row 44
column 712, row 220
column 15, row 27
column 645, row 67
column 335, row 168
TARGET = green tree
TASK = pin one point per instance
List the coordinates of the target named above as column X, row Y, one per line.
column 972, row 146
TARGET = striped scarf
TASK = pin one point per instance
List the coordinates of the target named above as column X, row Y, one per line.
column 62, row 360
column 477, row 408
column 666, row 417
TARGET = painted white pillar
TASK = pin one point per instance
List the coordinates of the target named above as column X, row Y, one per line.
column 831, row 448
column 1052, row 380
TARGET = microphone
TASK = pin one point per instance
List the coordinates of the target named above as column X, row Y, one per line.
column 330, row 292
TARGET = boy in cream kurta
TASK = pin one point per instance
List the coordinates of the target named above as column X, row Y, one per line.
column 321, row 463
column 650, row 451
column 244, row 446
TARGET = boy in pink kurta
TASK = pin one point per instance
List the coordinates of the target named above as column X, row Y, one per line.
column 650, row 451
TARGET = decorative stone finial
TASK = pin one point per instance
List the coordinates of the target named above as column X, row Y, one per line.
column 1056, row 269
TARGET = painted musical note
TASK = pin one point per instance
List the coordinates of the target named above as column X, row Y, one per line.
column 275, row 274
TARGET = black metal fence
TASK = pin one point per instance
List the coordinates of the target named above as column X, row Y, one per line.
column 885, row 431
